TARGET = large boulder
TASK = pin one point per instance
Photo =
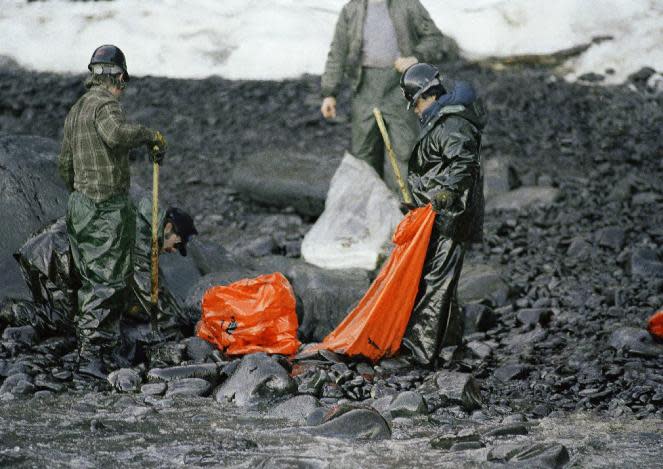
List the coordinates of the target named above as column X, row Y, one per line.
column 293, row 180
column 258, row 377
column 180, row 274
column 360, row 216
column 324, row 297
column 31, row 196
column 360, row 423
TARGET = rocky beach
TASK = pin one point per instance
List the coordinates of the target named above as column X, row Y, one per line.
column 556, row 370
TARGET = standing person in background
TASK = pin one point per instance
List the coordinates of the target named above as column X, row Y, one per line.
column 444, row 170
column 101, row 220
column 374, row 42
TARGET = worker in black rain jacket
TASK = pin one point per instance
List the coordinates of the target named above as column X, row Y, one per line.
column 444, row 170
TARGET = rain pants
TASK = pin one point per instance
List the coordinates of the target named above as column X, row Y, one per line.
column 101, row 237
column 446, row 157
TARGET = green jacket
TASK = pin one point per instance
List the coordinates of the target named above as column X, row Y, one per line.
column 416, row 34
column 94, row 157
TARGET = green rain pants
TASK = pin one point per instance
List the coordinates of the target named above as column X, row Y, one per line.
column 101, row 236
column 437, row 320
column 380, row 88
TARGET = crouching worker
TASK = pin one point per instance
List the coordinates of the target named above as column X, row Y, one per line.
column 444, row 170
column 94, row 164
column 175, row 230
column 53, row 282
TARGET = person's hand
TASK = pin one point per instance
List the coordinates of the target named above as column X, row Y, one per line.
column 443, row 200
column 403, row 63
column 158, row 147
column 328, row 108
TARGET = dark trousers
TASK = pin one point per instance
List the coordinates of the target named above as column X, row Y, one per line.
column 436, row 319
column 101, row 237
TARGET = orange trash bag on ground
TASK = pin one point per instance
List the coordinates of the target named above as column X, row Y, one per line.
column 376, row 326
column 655, row 326
column 251, row 315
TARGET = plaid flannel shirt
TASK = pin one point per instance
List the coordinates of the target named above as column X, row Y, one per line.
column 94, row 158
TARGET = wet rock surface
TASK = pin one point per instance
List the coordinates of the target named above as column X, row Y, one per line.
column 258, row 377
column 559, row 291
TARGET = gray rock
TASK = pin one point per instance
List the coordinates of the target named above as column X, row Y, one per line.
column 208, row 371
column 499, row 177
column 167, row 354
column 447, row 441
column 523, row 198
column 26, row 335
column 467, row 446
column 296, row 409
column 635, row 341
column 542, row 455
column 362, row 424
column 517, row 342
column 646, row 198
column 153, row 389
column 506, row 430
column 645, row 263
column 180, row 274
column 480, row 349
column 579, row 248
column 408, row 404
column 43, row 382
column 458, row 389
column 31, row 196
column 257, row 377
column 125, row 380
column 198, row 349
column 478, row 317
column 511, row 371
column 189, row 387
column 295, row 180
column 533, row 316
column 44, row 394
column 611, row 237
column 19, row 384
column 479, row 282
column 209, row 257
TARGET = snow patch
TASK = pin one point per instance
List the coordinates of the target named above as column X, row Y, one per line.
column 278, row 39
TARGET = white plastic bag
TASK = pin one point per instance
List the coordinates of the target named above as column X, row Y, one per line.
column 360, row 216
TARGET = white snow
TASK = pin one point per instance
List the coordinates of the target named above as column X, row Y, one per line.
column 276, row 39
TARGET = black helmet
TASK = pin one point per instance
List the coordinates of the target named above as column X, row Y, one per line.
column 182, row 226
column 418, row 79
column 108, row 60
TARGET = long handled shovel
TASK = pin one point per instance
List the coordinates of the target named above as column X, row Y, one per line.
column 407, row 198
column 154, row 293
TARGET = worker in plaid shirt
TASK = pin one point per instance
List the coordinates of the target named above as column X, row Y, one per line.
column 94, row 164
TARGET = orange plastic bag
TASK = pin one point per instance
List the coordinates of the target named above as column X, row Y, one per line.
column 251, row 315
column 655, row 326
column 376, row 326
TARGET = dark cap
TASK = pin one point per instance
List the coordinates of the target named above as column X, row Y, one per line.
column 182, row 225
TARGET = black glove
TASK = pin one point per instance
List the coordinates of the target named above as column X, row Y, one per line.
column 406, row 207
column 158, row 147
column 443, row 200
